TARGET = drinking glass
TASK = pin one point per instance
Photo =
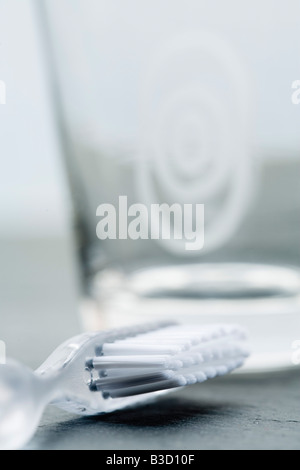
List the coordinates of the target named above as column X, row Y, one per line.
column 180, row 105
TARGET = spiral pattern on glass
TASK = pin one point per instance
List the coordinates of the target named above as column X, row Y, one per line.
column 194, row 143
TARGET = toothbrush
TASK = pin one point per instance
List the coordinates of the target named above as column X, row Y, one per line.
column 101, row 372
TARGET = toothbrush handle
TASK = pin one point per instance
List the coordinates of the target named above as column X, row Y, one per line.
column 23, row 397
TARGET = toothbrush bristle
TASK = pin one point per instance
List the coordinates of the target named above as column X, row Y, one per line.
column 154, row 358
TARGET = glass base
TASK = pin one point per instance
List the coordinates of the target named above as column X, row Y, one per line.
column 264, row 299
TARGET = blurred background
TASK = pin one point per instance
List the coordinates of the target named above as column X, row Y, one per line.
column 84, row 83
column 37, row 273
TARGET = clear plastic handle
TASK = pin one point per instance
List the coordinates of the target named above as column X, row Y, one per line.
column 22, row 400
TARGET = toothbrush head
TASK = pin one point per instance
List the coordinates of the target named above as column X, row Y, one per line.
column 168, row 357
column 105, row 371
column 101, row 372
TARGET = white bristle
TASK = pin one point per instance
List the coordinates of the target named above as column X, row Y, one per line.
column 163, row 358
